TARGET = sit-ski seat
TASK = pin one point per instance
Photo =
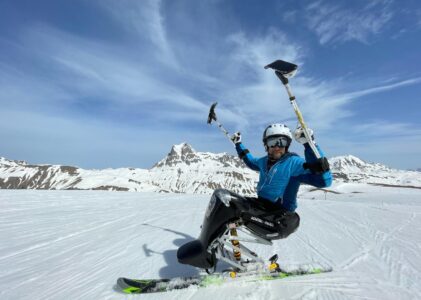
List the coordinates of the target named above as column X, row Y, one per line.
column 264, row 221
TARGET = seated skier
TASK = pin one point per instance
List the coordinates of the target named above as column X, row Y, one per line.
column 282, row 172
column 272, row 214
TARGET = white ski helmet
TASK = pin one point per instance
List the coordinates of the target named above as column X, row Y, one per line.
column 275, row 130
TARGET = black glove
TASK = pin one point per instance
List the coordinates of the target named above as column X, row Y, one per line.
column 320, row 166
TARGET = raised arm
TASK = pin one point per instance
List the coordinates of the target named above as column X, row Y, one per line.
column 320, row 175
column 244, row 153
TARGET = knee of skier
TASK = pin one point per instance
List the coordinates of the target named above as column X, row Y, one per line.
column 229, row 199
column 219, row 196
column 222, row 195
column 289, row 225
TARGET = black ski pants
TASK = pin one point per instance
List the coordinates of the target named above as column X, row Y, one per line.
column 285, row 222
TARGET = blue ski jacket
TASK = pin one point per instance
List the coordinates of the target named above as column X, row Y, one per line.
column 281, row 182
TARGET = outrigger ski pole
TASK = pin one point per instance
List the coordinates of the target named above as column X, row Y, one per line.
column 212, row 117
column 285, row 70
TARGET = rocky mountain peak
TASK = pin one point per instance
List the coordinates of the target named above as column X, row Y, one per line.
column 181, row 150
column 6, row 162
column 179, row 154
column 350, row 163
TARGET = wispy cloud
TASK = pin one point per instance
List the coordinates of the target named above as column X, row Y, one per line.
column 146, row 19
column 78, row 66
column 387, row 129
column 258, row 97
column 256, row 91
column 383, row 88
column 335, row 24
column 391, row 148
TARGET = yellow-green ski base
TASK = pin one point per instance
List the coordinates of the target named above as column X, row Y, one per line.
column 143, row 286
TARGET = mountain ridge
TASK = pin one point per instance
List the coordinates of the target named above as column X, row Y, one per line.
column 184, row 170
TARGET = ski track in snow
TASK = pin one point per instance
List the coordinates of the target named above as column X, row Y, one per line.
column 75, row 244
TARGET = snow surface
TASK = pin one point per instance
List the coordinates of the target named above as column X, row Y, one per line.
column 75, row 244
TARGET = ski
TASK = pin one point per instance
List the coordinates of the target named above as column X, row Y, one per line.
column 144, row 286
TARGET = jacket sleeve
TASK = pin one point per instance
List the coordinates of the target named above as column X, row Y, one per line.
column 309, row 154
column 317, row 180
column 246, row 156
column 296, row 166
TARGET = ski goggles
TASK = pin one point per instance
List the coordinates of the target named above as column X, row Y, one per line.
column 279, row 141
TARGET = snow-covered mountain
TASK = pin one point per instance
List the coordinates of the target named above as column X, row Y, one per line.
column 352, row 169
column 184, row 170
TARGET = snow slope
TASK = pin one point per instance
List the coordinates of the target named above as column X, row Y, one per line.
column 75, row 244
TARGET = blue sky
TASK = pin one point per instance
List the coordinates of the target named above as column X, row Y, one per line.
column 109, row 83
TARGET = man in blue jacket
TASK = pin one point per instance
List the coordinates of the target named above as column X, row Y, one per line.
column 272, row 214
column 282, row 172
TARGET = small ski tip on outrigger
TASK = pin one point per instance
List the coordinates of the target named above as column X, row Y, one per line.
column 212, row 114
column 283, row 69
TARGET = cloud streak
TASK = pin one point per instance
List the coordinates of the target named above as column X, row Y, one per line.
column 383, row 88
column 83, row 67
column 335, row 24
column 146, row 19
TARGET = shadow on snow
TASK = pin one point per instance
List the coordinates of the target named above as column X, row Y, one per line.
column 173, row 268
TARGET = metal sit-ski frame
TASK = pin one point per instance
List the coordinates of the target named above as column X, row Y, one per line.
column 229, row 239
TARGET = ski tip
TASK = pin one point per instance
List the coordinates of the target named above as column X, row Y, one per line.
column 312, row 268
column 126, row 288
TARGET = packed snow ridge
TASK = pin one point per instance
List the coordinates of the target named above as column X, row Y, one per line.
column 185, row 170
